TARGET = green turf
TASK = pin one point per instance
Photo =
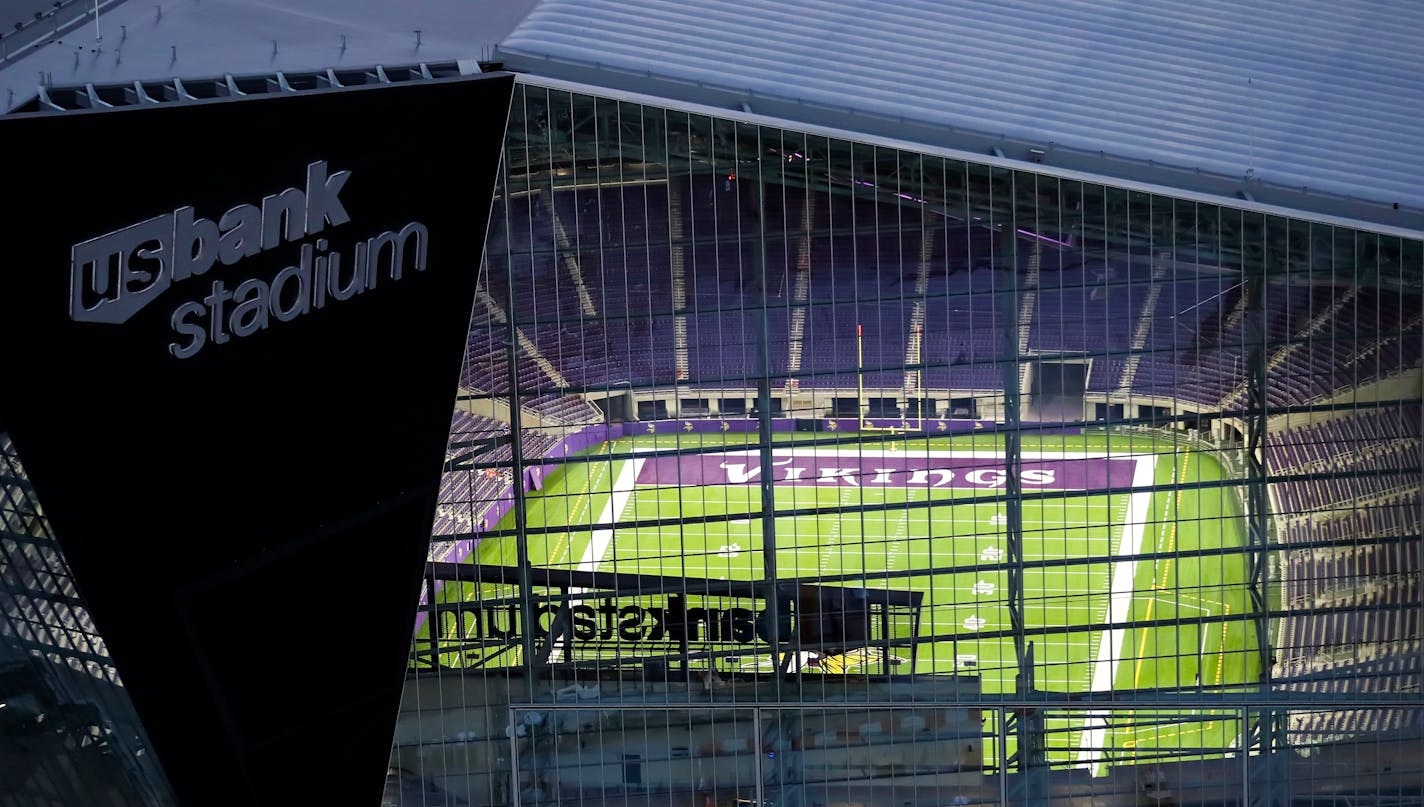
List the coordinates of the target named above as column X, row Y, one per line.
column 955, row 530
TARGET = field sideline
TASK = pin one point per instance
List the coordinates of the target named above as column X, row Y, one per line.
column 952, row 525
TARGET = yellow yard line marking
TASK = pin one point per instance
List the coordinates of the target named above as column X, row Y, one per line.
column 1160, row 733
column 562, row 547
column 1207, row 600
column 565, row 545
column 1166, row 570
column 1142, row 646
column 1176, row 512
column 1221, row 654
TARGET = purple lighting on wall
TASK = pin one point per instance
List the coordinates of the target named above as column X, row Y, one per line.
column 917, row 200
column 1054, row 241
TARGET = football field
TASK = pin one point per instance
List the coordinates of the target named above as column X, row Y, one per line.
column 908, row 514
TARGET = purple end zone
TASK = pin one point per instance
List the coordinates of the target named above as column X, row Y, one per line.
column 888, row 471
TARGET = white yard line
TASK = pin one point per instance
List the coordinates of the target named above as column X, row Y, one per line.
column 622, row 493
column 833, row 545
column 896, row 541
column 601, row 538
column 1205, row 634
column 1110, row 646
column 1124, row 574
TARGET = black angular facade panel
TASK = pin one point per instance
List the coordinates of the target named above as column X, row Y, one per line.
column 233, row 331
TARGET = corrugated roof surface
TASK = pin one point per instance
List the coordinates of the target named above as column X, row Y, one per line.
column 190, row 39
column 1326, row 95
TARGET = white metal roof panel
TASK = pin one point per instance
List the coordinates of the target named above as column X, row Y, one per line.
column 1327, row 96
column 191, row 39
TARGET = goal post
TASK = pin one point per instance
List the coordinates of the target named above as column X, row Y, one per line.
column 863, row 420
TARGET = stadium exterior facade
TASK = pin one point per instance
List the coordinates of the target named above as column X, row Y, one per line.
column 835, row 468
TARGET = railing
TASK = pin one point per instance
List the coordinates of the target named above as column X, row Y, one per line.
column 707, row 750
column 20, row 37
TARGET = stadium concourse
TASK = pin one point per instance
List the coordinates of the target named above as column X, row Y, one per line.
column 892, row 405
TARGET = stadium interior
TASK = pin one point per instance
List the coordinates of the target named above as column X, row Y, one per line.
column 700, row 290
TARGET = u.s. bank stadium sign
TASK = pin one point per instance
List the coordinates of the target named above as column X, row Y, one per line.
column 115, row 275
column 257, row 282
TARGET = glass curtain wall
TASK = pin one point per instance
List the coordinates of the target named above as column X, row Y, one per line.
column 68, row 732
column 1055, row 483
